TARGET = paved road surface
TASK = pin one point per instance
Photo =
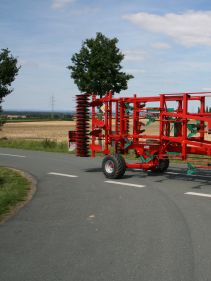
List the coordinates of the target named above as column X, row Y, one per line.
column 79, row 227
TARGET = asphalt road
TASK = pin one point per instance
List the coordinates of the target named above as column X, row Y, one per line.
column 79, row 227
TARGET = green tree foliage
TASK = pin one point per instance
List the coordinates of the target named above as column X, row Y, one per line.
column 8, row 72
column 97, row 69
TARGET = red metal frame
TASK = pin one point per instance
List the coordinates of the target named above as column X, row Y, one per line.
column 118, row 125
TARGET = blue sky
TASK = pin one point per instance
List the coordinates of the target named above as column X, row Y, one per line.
column 167, row 45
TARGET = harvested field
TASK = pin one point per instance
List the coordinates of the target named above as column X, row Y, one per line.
column 53, row 130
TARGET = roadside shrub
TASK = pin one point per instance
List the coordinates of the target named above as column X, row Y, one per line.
column 49, row 144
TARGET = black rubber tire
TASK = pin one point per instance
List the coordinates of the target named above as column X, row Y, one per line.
column 162, row 167
column 118, row 169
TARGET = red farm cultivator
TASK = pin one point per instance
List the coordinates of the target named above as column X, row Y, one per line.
column 157, row 129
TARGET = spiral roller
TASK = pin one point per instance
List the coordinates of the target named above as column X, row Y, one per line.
column 82, row 125
column 118, row 142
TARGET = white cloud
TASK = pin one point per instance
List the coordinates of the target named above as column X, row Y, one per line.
column 160, row 46
column 134, row 55
column 189, row 29
column 60, row 4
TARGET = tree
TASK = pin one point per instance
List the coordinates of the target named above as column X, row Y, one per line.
column 8, row 72
column 96, row 68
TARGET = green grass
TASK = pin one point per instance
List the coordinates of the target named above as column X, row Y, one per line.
column 42, row 145
column 13, row 189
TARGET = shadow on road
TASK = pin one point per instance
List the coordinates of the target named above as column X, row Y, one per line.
column 200, row 178
column 96, row 170
column 93, row 170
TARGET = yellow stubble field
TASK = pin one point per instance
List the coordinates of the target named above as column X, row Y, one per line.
column 53, row 130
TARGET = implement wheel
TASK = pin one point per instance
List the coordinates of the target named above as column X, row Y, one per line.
column 114, row 166
column 163, row 165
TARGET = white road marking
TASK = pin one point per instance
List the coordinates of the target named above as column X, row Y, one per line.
column 198, row 194
column 172, row 173
column 137, row 169
column 126, row 184
column 13, row 155
column 63, row 175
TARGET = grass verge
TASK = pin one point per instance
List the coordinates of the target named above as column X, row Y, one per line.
column 41, row 145
column 13, row 189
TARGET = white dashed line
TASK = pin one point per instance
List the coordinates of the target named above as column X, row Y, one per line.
column 198, row 194
column 126, row 184
column 137, row 170
column 63, row 175
column 172, row 173
column 12, row 155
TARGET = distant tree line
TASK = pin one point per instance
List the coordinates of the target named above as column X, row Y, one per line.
column 33, row 116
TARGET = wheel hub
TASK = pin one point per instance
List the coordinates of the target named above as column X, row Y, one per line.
column 109, row 167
